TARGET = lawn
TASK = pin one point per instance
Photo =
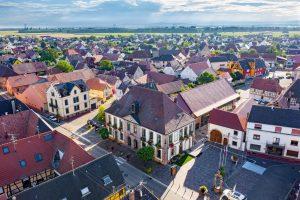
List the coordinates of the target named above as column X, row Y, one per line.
column 184, row 159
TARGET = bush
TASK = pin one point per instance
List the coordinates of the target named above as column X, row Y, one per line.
column 64, row 66
column 104, row 133
column 145, row 153
column 203, row 189
column 148, row 170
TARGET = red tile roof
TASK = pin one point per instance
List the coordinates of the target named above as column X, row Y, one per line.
column 227, row 119
column 97, row 84
column 22, row 124
column 270, row 85
column 22, row 80
column 28, row 68
column 10, row 169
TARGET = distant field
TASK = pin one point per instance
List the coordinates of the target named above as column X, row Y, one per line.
column 63, row 35
column 275, row 34
column 70, row 35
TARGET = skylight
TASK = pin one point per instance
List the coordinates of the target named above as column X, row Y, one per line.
column 22, row 163
column 5, row 150
column 107, row 180
column 48, row 137
column 38, row 157
column 85, row 191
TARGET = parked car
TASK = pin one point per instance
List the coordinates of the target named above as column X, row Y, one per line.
column 94, row 123
column 232, row 195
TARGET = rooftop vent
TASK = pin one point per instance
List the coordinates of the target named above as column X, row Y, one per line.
column 107, row 180
column 85, row 191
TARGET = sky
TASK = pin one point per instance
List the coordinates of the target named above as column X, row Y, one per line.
column 146, row 13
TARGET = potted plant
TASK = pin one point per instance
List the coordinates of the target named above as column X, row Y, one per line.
column 203, row 190
column 115, row 126
column 150, row 142
column 158, row 145
column 171, row 145
column 181, row 138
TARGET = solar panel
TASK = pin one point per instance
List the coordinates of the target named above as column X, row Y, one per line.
column 107, row 180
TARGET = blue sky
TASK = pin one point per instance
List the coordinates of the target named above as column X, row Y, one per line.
column 140, row 13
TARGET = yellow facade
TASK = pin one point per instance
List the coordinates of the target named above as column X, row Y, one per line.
column 117, row 195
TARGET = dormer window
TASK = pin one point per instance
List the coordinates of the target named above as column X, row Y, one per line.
column 107, row 180
column 5, row 150
column 85, row 191
column 75, row 91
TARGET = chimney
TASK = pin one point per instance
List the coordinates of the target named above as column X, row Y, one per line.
column 13, row 105
column 131, row 195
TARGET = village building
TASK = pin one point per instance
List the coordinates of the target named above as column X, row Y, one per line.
column 274, row 131
column 147, row 117
column 68, row 99
column 267, row 90
column 200, row 101
column 227, row 128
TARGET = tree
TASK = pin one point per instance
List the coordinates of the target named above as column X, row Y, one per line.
column 49, row 55
column 104, row 133
column 106, row 65
column 64, row 66
column 101, row 113
column 252, row 51
column 146, row 153
column 43, row 45
column 206, row 77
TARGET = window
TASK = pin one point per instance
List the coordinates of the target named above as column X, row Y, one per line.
column 185, row 131
column 158, row 153
column 22, row 163
column 294, row 143
column 292, row 153
column 76, row 108
column 75, row 91
column 234, row 143
column 75, row 99
column 170, row 139
column 278, row 129
column 191, row 129
column 52, row 94
column 181, row 133
column 67, row 110
column 134, row 129
column 158, row 139
column 128, row 126
column 48, row 137
column 85, row 105
column 84, row 97
column 107, row 180
column 151, row 135
column 38, row 157
column 255, row 147
column 144, row 133
column 276, row 140
column 85, row 191
column 121, row 136
column 256, row 137
column 257, row 126
column 5, row 150
column 66, row 102
column 235, row 133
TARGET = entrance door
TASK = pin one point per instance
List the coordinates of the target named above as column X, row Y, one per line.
column 225, row 141
column 216, row 136
column 93, row 106
column 135, row 144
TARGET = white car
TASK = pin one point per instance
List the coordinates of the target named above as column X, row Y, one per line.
column 232, row 195
column 52, row 118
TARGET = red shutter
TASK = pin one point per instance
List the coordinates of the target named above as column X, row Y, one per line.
column 278, row 129
column 296, row 131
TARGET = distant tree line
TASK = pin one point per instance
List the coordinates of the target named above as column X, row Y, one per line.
column 173, row 29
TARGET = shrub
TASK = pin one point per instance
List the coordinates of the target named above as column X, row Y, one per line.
column 104, row 133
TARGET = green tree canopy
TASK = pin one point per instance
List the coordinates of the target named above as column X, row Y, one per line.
column 49, row 55
column 104, row 133
column 101, row 113
column 205, row 77
column 146, row 153
column 106, row 65
column 64, row 66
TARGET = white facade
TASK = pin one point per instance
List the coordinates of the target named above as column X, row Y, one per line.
column 135, row 136
column 218, row 65
column 235, row 138
column 77, row 102
column 188, row 73
column 263, row 137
